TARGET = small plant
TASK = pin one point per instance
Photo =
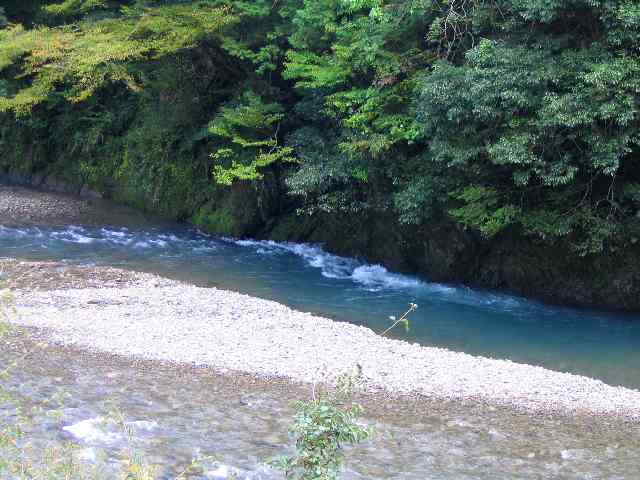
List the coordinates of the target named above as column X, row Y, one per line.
column 134, row 465
column 404, row 319
column 321, row 428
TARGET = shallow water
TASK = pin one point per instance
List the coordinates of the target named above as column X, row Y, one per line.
column 596, row 344
column 242, row 422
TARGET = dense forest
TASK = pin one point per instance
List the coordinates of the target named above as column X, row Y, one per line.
column 489, row 141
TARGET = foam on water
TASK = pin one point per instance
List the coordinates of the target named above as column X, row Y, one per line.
column 372, row 277
column 376, row 277
column 93, row 431
column 188, row 243
column 99, row 431
column 9, row 232
column 88, row 455
column 308, row 278
column 102, row 434
column 115, row 238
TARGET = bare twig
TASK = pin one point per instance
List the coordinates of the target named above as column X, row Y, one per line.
column 402, row 319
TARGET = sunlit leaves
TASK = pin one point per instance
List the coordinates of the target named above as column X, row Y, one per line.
column 315, row 71
column 72, row 8
column 322, row 428
column 92, row 54
column 249, row 129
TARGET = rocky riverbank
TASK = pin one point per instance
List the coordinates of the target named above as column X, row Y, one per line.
column 19, row 205
column 152, row 318
column 46, row 276
column 30, row 206
column 148, row 317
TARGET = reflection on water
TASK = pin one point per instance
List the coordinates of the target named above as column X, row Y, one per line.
column 595, row 344
column 177, row 413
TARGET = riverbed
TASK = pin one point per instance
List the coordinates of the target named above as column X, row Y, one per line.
column 242, row 421
column 600, row 345
column 151, row 317
column 438, row 413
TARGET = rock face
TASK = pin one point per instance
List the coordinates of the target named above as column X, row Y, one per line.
column 49, row 183
column 555, row 274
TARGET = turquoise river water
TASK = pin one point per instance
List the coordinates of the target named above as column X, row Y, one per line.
column 177, row 413
column 597, row 344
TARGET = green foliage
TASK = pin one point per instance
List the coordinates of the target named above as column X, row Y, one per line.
column 249, row 129
column 544, row 122
column 367, row 74
column 423, row 192
column 483, row 210
column 93, row 54
column 315, row 71
column 518, row 115
column 72, row 9
column 321, row 428
column 327, row 180
column 220, row 220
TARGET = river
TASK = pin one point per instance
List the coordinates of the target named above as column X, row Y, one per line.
column 181, row 412
column 497, row 325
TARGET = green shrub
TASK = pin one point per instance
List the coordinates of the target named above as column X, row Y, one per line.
column 322, row 426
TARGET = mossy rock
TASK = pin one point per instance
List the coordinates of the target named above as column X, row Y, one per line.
column 234, row 211
column 218, row 220
column 293, row 228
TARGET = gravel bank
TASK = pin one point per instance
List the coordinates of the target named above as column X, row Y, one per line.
column 30, row 206
column 18, row 275
column 22, row 206
column 152, row 318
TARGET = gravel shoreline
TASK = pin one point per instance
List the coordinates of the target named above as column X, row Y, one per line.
column 24, row 206
column 149, row 317
column 143, row 316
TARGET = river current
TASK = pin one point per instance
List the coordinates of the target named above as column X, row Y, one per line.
column 176, row 414
column 596, row 344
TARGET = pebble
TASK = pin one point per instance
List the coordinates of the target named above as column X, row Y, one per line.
column 168, row 320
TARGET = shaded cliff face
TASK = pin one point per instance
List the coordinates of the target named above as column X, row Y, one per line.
column 441, row 252
column 444, row 252
column 555, row 274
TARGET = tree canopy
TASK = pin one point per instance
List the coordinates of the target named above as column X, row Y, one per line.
column 497, row 114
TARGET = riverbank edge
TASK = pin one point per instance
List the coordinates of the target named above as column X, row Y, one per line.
column 393, row 406
column 386, row 368
column 443, row 251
